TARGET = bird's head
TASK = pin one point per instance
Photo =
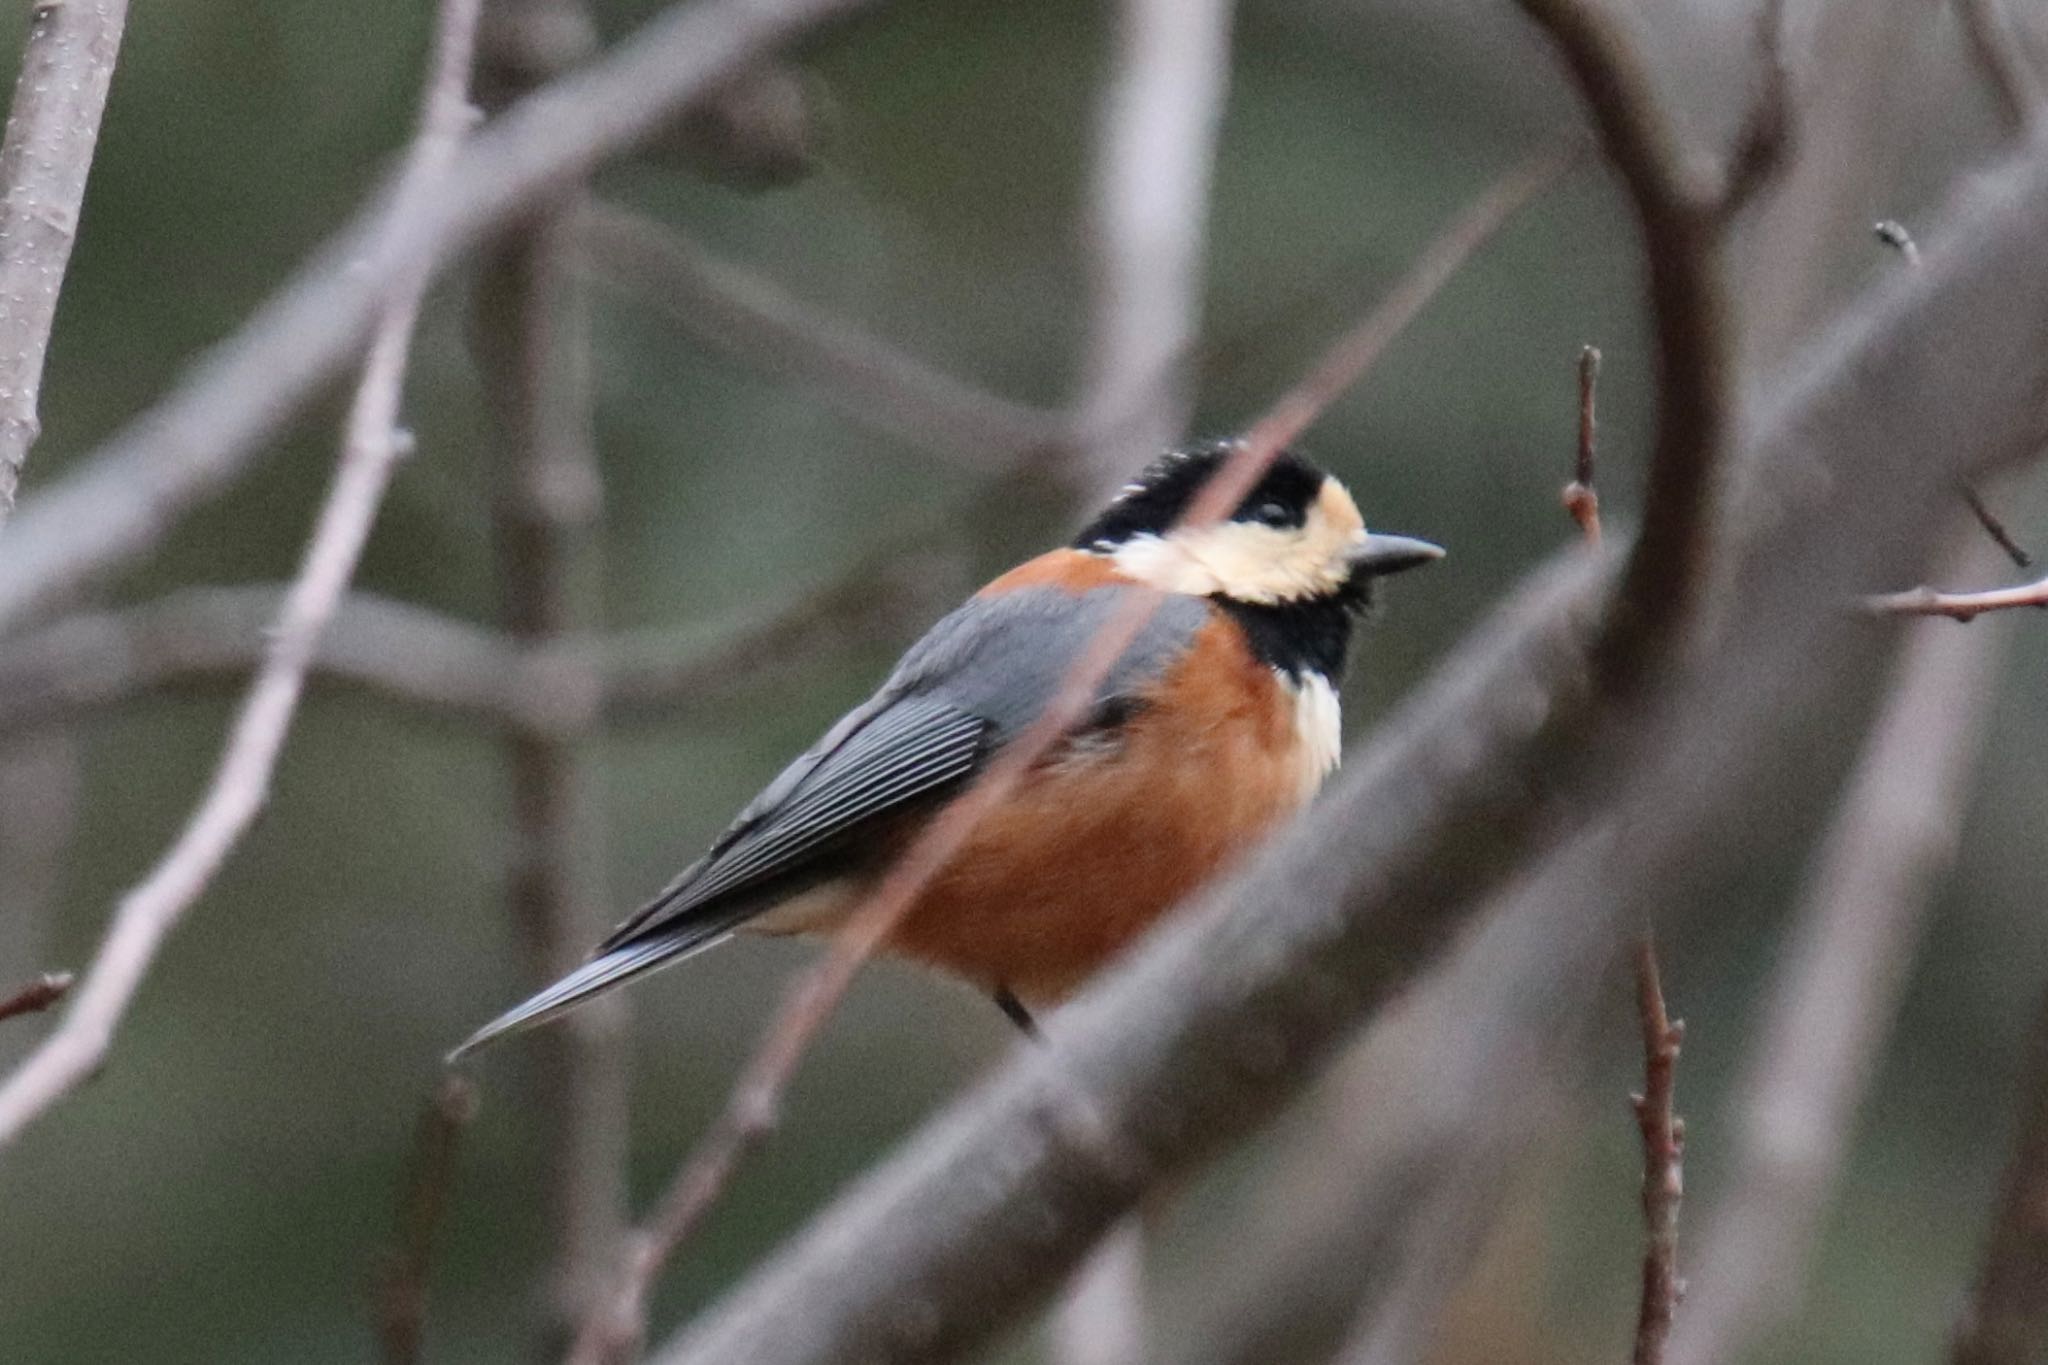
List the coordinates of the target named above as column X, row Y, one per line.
column 1296, row 537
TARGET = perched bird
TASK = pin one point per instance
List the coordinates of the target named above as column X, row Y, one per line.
column 1218, row 721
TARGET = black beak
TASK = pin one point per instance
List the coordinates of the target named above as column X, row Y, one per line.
column 1383, row 554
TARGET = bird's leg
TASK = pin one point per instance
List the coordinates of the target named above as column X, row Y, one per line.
column 1015, row 1010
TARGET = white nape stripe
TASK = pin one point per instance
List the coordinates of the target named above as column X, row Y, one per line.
column 1318, row 728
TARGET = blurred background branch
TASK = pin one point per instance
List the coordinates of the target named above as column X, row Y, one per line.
column 532, row 337
column 53, row 126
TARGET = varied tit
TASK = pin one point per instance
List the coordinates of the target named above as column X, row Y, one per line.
column 1218, row 722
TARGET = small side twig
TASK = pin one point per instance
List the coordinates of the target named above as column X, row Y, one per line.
column 371, row 448
column 1957, row 606
column 1663, row 1160
column 753, row 1109
column 39, row 994
column 1924, row 601
column 430, row 1176
column 1579, row 497
column 1995, row 528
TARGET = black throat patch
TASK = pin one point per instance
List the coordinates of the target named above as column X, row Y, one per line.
column 1311, row 636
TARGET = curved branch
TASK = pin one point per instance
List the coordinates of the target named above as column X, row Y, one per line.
column 1680, row 224
column 126, row 495
column 52, row 129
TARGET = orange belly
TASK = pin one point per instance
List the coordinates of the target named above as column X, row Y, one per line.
column 1101, row 840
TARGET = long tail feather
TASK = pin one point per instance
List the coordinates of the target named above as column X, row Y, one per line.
column 593, row 978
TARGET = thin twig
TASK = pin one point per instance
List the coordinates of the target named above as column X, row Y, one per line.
column 1663, row 1160
column 1957, row 606
column 532, row 340
column 430, row 1177
column 2006, row 1320
column 1894, row 235
column 865, row 377
column 1681, row 226
column 1148, row 212
column 121, row 499
column 2015, row 88
column 39, row 994
column 371, row 446
column 53, row 126
column 39, row 791
column 1995, row 527
column 1838, row 983
column 1580, row 499
column 752, row 1110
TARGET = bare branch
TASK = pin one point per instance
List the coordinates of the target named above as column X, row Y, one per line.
column 2006, row 1321
column 2015, row 87
column 402, row 1281
column 1223, row 1013
column 52, row 128
column 1680, row 230
column 39, row 994
column 532, row 339
column 1147, row 227
column 1579, row 497
column 125, row 496
column 751, row 1112
column 1839, row 984
column 413, row 656
column 1958, row 606
column 1663, row 1160
column 861, row 375
column 370, row 448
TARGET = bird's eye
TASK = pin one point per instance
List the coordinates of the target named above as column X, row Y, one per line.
column 1273, row 513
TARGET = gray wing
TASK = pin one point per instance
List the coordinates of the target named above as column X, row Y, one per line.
column 977, row 677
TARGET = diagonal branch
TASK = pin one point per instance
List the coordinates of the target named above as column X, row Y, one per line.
column 865, row 377
column 371, row 447
column 52, row 129
column 126, row 496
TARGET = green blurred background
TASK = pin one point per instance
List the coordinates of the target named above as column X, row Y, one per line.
column 222, row 1191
